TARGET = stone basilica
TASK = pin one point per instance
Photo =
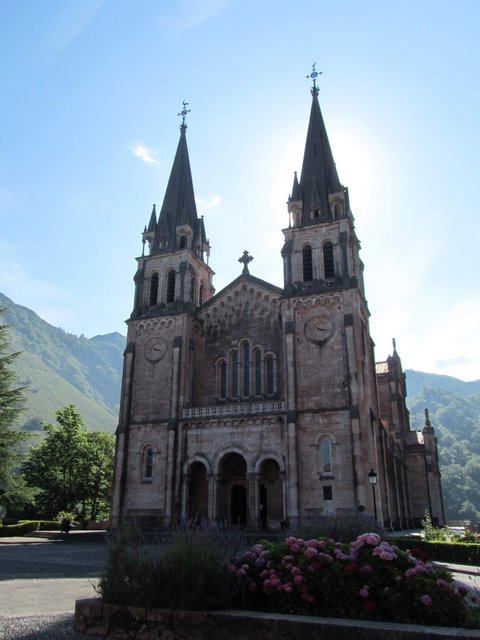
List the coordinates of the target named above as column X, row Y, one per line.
column 263, row 406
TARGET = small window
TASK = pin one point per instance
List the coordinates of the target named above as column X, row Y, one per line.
column 170, row 297
column 327, row 493
column 153, row 290
column 183, row 242
column 148, row 464
column 328, row 264
column 307, row 263
column 201, row 294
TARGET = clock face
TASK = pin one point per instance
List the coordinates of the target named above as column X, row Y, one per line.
column 318, row 330
column 155, row 349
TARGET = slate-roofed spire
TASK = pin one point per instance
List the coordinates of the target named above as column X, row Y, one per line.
column 178, row 206
column 319, row 177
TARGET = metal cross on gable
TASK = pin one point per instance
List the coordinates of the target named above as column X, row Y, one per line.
column 245, row 258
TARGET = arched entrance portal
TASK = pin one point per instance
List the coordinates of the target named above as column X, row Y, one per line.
column 233, row 494
column 270, row 494
column 197, row 506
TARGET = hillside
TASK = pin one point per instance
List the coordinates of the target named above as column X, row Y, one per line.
column 59, row 368
column 454, row 408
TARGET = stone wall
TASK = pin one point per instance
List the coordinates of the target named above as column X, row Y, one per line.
column 93, row 617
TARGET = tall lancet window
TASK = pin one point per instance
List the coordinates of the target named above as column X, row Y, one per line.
column 257, row 359
column 234, row 374
column 193, row 288
column 170, row 293
column 307, row 263
column 328, row 263
column 326, row 456
column 270, row 374
column 246, row 369
column 153, row 298
column 223, row 380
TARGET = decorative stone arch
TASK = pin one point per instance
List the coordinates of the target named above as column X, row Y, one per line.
column 269, row 455
column 270, row 491
column 196, row 492
column 147, row 453
column 235, row 488
column 325, row 460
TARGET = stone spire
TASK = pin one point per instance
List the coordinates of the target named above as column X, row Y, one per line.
column 319, row 178
column 178, row 224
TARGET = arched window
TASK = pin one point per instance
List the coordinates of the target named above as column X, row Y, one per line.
column 270, row 372
column 223, row 380
column 153, row 298
column 201, row 293
column 148, row 463
column 193, row 288
column 257, row 362
column 234, row 374
column 246, row 369
column 307, row 263
column 326, row 456
column 170, row 293
column 328, row 264
column 183, row 242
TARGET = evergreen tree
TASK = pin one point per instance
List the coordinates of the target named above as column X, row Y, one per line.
column 11, row 399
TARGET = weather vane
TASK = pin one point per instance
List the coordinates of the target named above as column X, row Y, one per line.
column 183, row 113
column 314, row 75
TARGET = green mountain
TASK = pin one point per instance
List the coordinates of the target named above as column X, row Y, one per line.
column 454, row 408
column 58, row 368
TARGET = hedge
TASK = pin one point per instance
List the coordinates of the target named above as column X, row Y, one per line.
column 19, row 529
column 455, row 552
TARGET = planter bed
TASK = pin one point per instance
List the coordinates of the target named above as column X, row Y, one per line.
column 116, row 622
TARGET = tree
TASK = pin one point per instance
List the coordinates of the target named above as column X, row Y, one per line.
column 11, row 399
column 72, row 467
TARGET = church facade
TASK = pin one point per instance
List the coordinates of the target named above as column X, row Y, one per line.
column 263, row 406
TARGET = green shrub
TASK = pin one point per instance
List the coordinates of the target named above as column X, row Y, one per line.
column 188, row 573
column 19, row 529
column 44, row 525
column 454, row 552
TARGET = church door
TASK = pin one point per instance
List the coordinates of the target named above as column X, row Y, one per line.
column 239, row 504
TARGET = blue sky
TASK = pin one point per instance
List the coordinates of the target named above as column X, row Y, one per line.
column 90, row 95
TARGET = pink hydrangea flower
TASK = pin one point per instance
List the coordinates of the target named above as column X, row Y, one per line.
column 364, row 592
column 426, row 600
column 310, row 552
column 298, row 580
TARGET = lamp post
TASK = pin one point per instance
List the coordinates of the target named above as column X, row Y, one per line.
column 372, row 478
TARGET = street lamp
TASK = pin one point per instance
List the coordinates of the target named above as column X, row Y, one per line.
column 372, row 478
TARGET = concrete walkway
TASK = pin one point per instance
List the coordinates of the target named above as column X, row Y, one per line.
column 48, row 573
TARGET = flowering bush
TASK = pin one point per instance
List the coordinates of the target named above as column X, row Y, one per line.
column 368, row 579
